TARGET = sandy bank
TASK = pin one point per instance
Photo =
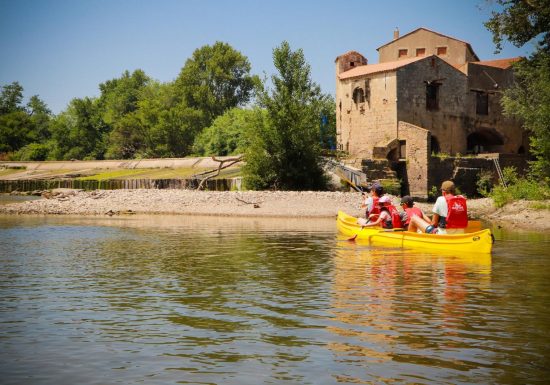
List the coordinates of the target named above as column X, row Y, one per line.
column 288, row 204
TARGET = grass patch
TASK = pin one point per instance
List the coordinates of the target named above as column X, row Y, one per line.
column 540, row 205
column 158, row 173
column 9, row 171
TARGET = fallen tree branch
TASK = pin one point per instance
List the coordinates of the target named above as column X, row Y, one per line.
column 221, row 166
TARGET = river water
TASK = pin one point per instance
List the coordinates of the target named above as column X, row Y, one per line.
column 194, row 300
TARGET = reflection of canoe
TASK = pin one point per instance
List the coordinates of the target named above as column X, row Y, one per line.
column 477, row 242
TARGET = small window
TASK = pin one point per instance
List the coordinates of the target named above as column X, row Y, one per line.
column 441, row 51
column 432, row 96
column 482, row 103
column 403, row 53
column 352, row 64
column 420, row 52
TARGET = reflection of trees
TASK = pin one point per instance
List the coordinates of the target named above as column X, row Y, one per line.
column 216, row 292
column 397, row 306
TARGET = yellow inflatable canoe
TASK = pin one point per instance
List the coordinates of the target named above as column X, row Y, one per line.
column 472, row 242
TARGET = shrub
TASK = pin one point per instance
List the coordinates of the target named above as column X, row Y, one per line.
column 528, row 189
column 484, row 182
column 33, row 151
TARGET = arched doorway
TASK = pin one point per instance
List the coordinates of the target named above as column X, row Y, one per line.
column 486, row 140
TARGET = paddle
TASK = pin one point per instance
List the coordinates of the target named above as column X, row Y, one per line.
column 355, row 236
column 380, row 231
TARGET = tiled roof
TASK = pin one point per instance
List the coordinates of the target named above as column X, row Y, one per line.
column 375, row 68
column 347, row 53
column 499, row 63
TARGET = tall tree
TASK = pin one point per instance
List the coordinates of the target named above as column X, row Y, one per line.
column 285, row 152
column 216, row 78
column 11, row 98
column 521, row 21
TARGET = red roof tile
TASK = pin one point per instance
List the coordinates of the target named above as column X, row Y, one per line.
column 499, row 63
column 375, row 68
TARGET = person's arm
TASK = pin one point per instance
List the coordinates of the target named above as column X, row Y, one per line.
column 376, row 222
column 435, row 220
column 426, row 218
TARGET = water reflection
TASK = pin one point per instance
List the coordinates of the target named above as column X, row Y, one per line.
column 397, row 307
column 225, row 301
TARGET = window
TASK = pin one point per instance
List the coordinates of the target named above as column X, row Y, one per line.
column 482, row 103
column 420, row 52
column 402, row 53
column 358, row 95
column 441, row 51
column 432, row 93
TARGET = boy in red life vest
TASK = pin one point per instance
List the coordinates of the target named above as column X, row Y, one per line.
column 370, row 204
column 409, row 211
column 389, row 217
column 450, row 213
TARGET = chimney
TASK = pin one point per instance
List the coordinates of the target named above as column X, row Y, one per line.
column 396, row 34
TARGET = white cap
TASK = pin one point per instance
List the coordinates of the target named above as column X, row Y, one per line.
column 385, row 199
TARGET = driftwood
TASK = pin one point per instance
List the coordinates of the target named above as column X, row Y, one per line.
column 230, row 162
column 256, row 204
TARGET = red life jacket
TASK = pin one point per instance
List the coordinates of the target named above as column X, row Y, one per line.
column 395, row 221
column 457, row 212
column 375, row 209
column 412, row 212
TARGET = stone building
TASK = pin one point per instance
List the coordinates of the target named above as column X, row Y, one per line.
column 429, row 94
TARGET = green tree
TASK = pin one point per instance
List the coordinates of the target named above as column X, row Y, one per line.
column 520, row 22
column 160, row 126
column 285, row 152
column 120, row 96
column 40, row 116
column 229, row 134
column 20, row 125
column 79, row 131
column 11, row 98
column 216, row 78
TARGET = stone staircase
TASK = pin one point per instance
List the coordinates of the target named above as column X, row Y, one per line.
column 381, row 170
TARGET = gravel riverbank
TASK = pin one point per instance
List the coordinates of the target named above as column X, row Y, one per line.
column 290, row 204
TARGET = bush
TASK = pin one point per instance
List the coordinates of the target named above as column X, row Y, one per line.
column 528, row 189
column 484, row 183
column 33, row 152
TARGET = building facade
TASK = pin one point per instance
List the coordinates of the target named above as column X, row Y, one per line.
column 428, row 94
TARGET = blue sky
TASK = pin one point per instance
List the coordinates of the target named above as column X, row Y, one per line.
column 62, row 49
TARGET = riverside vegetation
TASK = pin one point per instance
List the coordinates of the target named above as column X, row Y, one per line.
column 215, row 106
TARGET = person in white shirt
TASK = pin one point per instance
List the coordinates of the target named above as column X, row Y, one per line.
column 442, row 222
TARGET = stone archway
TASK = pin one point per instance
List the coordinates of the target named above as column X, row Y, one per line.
column 484, row 140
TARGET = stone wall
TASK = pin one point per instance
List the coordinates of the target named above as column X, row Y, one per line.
column 417, row 153
column 458, row 52
column 465, row 171
column 362, row 126
column 446, row 122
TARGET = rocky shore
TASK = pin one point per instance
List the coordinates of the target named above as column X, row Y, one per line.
column 282, row 204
